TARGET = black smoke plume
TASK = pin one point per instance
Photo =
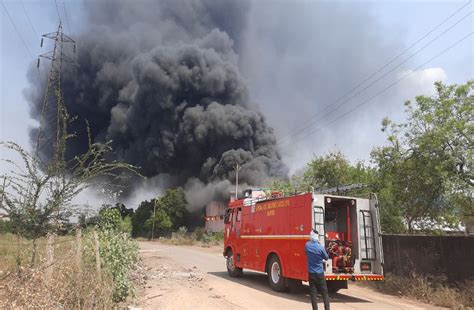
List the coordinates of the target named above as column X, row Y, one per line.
column 160, row 80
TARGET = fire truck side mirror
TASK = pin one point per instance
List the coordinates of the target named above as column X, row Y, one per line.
column 227, row 216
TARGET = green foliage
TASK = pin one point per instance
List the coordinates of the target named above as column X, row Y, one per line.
column 182, row 231
column 141, row 215
column 333, row 170
column 119, row 253
column 5, row 227
column 284, row 186
column 426, row 170
column 170, row 214
column 126, row 225
column 109, row 219
column 198, row 233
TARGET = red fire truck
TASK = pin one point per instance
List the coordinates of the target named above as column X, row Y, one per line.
column 267, row 233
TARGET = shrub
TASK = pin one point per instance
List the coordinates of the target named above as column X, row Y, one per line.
column 5, row 227
column 118, row 251
column 430, row 290
column 109, row 219
column 126, row 225
column 198, row 233
column 182, row 231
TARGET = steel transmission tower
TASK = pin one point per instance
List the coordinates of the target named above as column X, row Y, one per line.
column 53, row 112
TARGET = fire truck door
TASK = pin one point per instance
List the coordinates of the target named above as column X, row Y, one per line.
column 300, row 226
column 237, row 231
column 377, row 234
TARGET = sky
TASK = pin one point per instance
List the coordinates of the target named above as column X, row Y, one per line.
column 283, row 57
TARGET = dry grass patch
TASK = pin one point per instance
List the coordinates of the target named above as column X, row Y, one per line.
column 432, row 290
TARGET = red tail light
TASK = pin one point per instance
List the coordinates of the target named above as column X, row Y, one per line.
column 365, row 266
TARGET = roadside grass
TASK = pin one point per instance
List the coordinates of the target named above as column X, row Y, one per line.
column 71, row 286
column 198, row 237
column 71, row 280
column 431, row 290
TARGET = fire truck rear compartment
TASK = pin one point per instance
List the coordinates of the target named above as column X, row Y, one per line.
column 340, row 226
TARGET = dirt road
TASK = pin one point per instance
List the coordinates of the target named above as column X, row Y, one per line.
column 185, row 277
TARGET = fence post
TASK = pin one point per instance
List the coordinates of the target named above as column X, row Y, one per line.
column 79, row 249
column 49, row 258
column 97, row 256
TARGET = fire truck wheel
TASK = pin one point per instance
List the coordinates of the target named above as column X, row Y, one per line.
column 231, row 269
column 275, row 277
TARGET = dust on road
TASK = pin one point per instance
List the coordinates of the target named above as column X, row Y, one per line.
column 191, row 277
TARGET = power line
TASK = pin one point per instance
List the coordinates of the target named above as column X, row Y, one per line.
column 67, row 16
column 29, row 20
column 57, row 10
column 386, row 88
column 17, row 31
column 309, row 122
column 20, row 36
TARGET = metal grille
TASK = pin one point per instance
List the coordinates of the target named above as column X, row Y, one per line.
column 367, row 239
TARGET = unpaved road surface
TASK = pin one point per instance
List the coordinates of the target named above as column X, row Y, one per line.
column 191, row 277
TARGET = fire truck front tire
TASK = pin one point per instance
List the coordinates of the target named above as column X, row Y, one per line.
column 231, row 269
column 275, row 277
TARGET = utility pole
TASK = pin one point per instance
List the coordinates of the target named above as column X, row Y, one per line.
column 153, row 221
column 237, row 168
column 53, row 109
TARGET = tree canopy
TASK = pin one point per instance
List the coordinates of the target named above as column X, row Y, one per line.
column 425, row 174
column 170, row 214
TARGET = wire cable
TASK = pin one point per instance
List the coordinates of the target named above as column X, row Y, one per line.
column 386, row 88
column 309, row 122
column 57, row 10
column 67, row 17
column 29, row 19
column 17, row 31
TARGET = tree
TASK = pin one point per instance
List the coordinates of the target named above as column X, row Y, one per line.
column 170, row 214
column 425, row 173
column 37, row 196
column 174, row 205
column 141, row 215
column 328, row 171
column 335, row 170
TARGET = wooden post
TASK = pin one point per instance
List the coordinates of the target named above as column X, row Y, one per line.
column 97, row 256
column 49, row 258
column 79, row 249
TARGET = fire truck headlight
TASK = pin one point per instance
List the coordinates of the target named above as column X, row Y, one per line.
column 328, row 200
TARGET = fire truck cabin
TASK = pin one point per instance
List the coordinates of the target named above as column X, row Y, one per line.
column 267, row 232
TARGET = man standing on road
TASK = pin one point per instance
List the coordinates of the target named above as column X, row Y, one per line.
column 316, row 254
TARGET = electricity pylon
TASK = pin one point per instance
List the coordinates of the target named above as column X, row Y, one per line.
column 53, row 109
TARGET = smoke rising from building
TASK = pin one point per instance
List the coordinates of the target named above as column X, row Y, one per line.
column 172, row 83
column 160, row 80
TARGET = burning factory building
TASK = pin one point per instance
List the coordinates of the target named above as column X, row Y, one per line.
column 214, row 219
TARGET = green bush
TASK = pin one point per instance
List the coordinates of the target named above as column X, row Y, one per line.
column 109, row 219
column 5, row 227
column 118, row 251
column 182, row 231
column 126, row 225
column 198, row 233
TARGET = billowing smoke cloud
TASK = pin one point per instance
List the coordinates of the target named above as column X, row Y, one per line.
column 160, row 80
column 172, row 83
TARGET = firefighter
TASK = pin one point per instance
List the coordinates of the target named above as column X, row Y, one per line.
column 316, row 255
